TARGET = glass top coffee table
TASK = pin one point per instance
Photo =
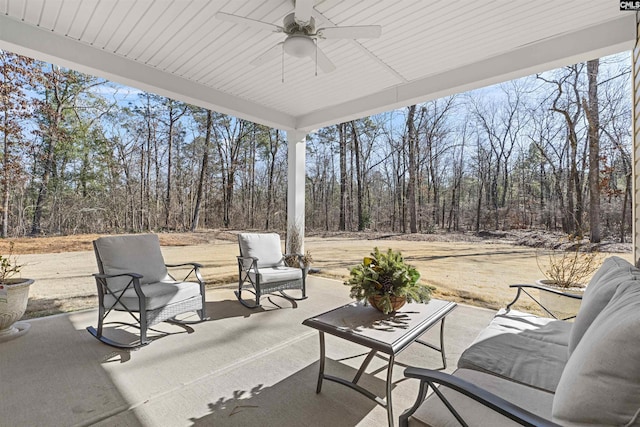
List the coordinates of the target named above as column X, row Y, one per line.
column 384, row 333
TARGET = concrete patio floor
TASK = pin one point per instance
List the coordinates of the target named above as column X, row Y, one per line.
column 242, row 368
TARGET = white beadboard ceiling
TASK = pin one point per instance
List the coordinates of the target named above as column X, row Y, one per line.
column 428, row 49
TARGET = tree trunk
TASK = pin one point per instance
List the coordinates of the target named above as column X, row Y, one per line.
column 411, row 187
column 342, row 226
column 273, row 151
column 203, row 173
column 51, row 138
column 359, row 184
column 593, row 116
column 5, row 175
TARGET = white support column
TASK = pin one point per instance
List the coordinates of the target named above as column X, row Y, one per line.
column 635, row 123
column 296, row 150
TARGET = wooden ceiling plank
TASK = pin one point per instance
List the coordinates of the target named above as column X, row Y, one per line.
column 32, row 11
column 49, row 14
column 98, row 20
column 121, row 10
column 66, row 16
column 143, row 28
column 127, row 25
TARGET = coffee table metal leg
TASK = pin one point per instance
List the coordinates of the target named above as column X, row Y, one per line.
column 321, row 372
column 364, row 366
column 436, row 348
column 444, row 358
column 389, row 389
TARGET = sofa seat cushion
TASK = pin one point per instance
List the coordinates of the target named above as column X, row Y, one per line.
column 521, row 347
column 277, row 274
column 157, row 295
column 532, row 326
column 433, row 412
column 601, row 382
column 613, row 272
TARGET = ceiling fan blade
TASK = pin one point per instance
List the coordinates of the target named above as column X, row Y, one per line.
column 249, row 22
column 324, row 62
column 356, row 32
column 303, row 11
column 268, row 55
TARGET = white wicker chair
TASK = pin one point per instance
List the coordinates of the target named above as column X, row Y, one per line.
column 262, row 268
column 134, row 278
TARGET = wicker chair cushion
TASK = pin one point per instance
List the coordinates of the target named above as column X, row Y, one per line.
column 131, row 254
column 264, row 246
column 277, row 274
column 156, row 295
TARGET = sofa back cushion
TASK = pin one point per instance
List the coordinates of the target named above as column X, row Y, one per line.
column 139, row 253
column 600, row 384
column 264, row 246
column 603, row 285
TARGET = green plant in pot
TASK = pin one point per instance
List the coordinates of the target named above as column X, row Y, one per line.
column 14, row 295
column 385, row 281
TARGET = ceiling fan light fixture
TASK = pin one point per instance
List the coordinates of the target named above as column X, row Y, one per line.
column 299, row 46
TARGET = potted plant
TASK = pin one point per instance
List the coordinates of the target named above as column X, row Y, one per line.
column 14, row 294
column 386, row 282
column 567, row 267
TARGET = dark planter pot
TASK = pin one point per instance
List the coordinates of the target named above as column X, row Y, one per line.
column 396, row 302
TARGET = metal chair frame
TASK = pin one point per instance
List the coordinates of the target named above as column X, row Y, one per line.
column 144, row 318
column 247, row 265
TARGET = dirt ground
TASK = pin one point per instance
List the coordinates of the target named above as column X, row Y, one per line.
column 463, row 267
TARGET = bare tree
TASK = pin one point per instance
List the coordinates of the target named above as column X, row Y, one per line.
column 274, row 141
column 567, row 102
column 593, row 117
column 203, row 171
column 359, row 179
column 175, row 110
column 411, row 142
column 342, row 131
column 16, row 74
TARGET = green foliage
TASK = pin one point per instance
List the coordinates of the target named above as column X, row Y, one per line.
column 386, row 274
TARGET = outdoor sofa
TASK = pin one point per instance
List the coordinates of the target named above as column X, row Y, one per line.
column 523, row 369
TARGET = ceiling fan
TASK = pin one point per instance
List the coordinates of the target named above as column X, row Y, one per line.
column 302, row 35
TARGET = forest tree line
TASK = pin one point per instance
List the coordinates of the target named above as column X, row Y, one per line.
column 84, row 155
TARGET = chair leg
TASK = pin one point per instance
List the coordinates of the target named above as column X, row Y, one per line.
column 304, row 293
column 289, row 297
column 113, row 343
column 143, row 329
column 100, row 320
column 98, row 333
column 243, row 302
column 203, row 315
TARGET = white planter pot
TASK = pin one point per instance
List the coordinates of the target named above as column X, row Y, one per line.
column 561, row 307
column 13, row 303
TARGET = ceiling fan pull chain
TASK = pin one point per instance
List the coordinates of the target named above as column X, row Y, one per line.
column 282, row 63
column 316, row 41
